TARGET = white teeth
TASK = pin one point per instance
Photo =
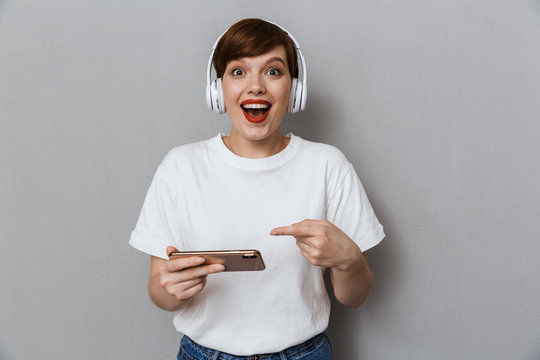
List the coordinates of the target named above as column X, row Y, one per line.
column 255, row 106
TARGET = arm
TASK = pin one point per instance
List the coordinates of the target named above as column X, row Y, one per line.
column 173, row 282
column 353, row 285
column 324, row 244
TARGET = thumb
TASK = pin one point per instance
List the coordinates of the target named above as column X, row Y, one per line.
column 171, row 249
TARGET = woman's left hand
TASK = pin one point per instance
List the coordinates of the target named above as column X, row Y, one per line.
column 322, row 243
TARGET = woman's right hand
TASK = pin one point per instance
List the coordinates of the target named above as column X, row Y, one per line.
column 172, row 282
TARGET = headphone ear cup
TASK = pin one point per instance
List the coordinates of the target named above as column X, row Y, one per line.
column 216, row 97
column 292, row 96
column 299, row 101
column 220, row 100
column 213, row 97
column 209, row 96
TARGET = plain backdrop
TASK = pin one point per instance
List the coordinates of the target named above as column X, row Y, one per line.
column 435, row 102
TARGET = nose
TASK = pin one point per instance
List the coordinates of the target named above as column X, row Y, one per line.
column 256, row 86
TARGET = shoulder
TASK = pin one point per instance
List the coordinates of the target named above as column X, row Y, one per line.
column 191, row 149
column 325, row 161
column 183, row 155
column 330, row 155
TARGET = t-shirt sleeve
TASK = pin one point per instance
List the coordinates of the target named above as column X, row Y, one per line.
column 155, row 229
column 349, row 209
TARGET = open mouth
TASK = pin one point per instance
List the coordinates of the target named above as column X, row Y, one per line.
column 255, row 111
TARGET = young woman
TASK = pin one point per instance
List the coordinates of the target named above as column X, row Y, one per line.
column 298, row 202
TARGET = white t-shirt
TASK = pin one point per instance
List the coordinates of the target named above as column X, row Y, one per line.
column 204, row 197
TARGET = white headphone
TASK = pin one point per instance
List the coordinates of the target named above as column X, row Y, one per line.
column 297, row 95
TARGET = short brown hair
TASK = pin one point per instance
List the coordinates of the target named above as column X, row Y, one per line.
column 253, row 37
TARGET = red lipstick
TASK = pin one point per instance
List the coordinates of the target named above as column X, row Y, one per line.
column 251, row 107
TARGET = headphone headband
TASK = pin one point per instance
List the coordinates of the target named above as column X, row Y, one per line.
column 298, row 94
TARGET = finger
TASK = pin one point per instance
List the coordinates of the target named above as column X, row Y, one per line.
column 199, row 271
column 178, row 287
column 173, row 279
column 313, row 222
column 314, row 259
column 171, row 249
column 284, row 230
column 192, row 291
column 307, row 255
column 302, row 243
column 184, row 263
column 298, row 230
column 188, row 284
column 187, row 289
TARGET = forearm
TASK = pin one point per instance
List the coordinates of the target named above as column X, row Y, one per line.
column 353, row 284
column 161, row 297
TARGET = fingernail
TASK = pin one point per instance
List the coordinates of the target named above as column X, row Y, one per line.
column 199, row 260
column 219, row 268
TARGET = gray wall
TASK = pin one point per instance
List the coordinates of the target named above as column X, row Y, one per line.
column 436, row 103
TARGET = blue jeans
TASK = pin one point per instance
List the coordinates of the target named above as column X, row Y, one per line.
column 316, row 348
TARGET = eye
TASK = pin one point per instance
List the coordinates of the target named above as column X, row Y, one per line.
column 274, row 72
column 237, row 72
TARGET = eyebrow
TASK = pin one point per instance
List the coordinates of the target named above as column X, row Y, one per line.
column 271, row 60
column 276, row 58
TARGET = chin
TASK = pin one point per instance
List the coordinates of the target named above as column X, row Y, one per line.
column 254, row 131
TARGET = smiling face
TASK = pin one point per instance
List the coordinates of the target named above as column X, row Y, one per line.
column 256, row 93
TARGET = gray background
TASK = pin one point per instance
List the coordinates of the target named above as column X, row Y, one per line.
column 435, row 103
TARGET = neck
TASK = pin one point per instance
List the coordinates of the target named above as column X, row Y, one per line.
column 256, row 149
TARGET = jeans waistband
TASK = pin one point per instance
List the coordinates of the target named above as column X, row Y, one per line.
column 292, row 351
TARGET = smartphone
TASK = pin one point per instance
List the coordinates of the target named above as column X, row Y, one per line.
column 233, row 260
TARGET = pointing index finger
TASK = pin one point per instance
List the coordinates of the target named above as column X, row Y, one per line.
column 296, row 230
column 284, row 230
